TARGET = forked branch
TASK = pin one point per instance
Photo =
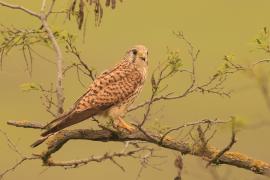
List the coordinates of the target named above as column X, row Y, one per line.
column 207, row 153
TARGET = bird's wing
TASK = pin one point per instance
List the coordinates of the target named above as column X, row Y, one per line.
column 109, row 89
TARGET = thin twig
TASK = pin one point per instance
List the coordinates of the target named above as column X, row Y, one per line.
column 21, row 8
column 227, row 148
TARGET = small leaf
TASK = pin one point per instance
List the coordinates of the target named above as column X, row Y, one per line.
column 153, row 81
column 174, row 60
column 265, row 30
column 29, row 87
column 258, row 41
column 240, row 122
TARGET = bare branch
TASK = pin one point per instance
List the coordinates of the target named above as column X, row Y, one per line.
column 204, row 121
column 227, row 148
column 106, row 156
column 16, row 165
column 11, row 144
column 47, row 99
column 260, row 61
column 51, row 8
column 71, row 48
column 14, row 148
column 21, row 8
column 26, row 124
column 59, row 63
column 236, row 159
column 145, row 162
column 179, row 165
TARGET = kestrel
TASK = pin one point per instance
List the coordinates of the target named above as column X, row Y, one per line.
column 110, row 94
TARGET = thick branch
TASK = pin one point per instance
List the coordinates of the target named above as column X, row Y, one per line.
column 56, row 141
column 229, row 158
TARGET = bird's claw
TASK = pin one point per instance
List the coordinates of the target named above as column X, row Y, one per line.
column 122, row 125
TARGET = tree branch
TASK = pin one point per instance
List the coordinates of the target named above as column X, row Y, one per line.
column 59, row 58
column 227, row 148
column 56, row 141
column 13, row 147
column 106, row 156
column 16, row 165
column 59, row 61
column 21, row 8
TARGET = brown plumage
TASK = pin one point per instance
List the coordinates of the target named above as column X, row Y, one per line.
column 110, row 94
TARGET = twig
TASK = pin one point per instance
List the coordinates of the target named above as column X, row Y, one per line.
column 21, row 8
column 26, row 124
column 204, row 121
column 179, row 165
column 50, row 8
column 227, row 148
column 11, row 144
column 106, row 156
column 73, row 50
column 14, row 148
column 16, row 165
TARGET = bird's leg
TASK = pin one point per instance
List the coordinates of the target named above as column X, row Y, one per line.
column 120, row 123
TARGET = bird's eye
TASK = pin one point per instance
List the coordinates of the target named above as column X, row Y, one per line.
column 134, row 51
column 143, row 58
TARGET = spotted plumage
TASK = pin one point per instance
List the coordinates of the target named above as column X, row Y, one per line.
column 110, row 94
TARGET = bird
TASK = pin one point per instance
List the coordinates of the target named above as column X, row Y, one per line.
column 109, row 95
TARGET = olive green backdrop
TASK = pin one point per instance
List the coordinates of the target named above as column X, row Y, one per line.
column 216, row 27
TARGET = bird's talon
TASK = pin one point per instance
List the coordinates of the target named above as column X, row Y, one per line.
column 121, row 125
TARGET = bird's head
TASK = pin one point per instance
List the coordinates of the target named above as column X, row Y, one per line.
column 138, row 55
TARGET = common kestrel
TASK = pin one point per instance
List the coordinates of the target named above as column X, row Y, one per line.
column 110, row 94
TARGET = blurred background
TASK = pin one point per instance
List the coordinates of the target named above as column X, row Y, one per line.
column 217, row 28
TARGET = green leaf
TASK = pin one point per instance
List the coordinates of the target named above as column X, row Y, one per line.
column 258, row 41
column 26, row 87
column 153, row 82
column 240, row 122
column 174, row 60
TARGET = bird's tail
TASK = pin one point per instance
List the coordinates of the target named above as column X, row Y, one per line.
column 58, row 124
column 62, row 122
column 67, row 120
column 39, row 141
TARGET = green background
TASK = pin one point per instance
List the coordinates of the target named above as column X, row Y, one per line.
column 216, row 27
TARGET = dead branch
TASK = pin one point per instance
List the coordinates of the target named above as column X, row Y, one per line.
column 21, row 8
column 179, row 165
column 106, row 156
column 26, row 124
column 71, row 48
column 227, row 148
column 134, row 153
column 204, row 121
column 14, row 148
column 56, row 142
column 14, row 167
column 59, row 61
